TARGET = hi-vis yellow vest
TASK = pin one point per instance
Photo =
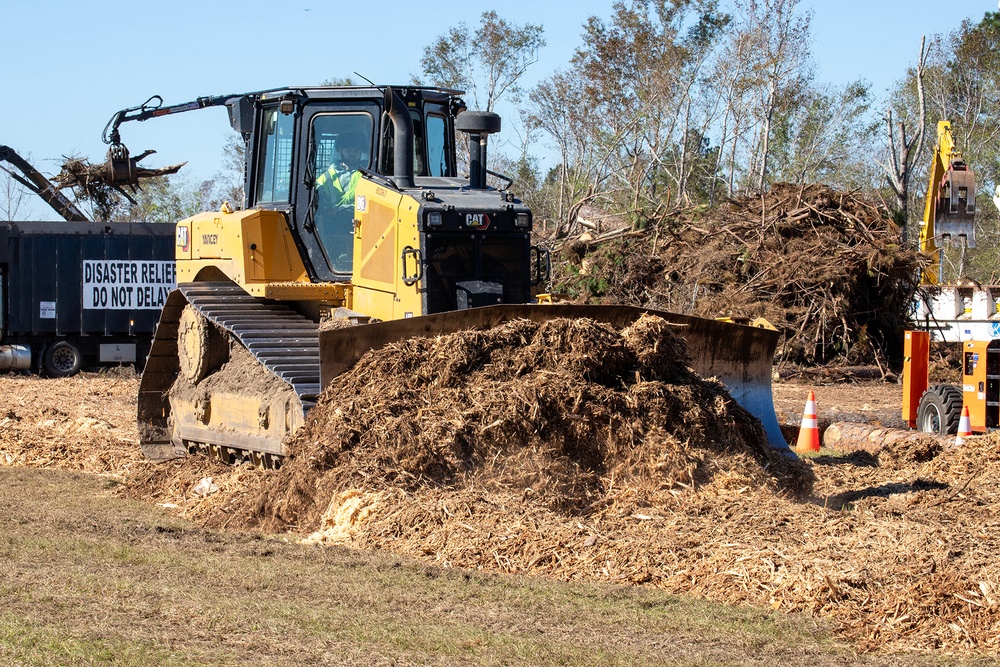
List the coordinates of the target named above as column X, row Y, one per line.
column 343, row 188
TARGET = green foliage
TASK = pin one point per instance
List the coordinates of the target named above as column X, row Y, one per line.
column 487, row 62
column 820, row 138
column 962, row 84
column 340, row 81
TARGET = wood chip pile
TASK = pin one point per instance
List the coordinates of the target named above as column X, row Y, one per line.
column 898, row 550
column 825, row 267
column 84, row 428
column 560, row 450
column 565, row 412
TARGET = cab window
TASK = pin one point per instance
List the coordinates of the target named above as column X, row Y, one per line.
column 437, row 151
column 274, row 166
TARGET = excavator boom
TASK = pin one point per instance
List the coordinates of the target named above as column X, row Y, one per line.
column 950, row 204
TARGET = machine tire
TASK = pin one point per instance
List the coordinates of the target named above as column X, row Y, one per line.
column 939, row 410
column 62, row 359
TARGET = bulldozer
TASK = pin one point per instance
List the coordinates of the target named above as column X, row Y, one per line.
column 276, row 300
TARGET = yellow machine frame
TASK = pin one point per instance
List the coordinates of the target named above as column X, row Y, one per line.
column 256, row 250
column 945, row 213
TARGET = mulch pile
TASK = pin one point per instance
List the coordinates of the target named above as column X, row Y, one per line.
column 515, row 451
column 63, row 423
column 573, row 450
column 565, row 415
column 825, row 267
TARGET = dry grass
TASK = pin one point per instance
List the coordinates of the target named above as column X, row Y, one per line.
column 90, row 579
column 897, row 552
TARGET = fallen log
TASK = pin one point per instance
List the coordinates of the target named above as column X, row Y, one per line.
column 851, row 437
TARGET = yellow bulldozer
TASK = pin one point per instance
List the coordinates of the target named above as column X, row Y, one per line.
column 275, row 300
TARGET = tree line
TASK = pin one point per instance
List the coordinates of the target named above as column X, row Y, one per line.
column 671, row 104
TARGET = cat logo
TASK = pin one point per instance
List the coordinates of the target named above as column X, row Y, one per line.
column 182, row 237
column 210, row 239
column 477, row 220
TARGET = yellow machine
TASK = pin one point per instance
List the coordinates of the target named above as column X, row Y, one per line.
column 276, row 300
column 949, row 214
column 950, row 205
column 938, row 408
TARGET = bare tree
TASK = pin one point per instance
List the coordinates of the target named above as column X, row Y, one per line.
column 777, row 34
column 637, row 79
column 826, row 133
column 581, row 174
column 903, row 150
column 13, row 197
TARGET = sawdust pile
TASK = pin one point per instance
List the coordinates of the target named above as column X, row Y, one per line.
column 825, row 267
column 87, row 428
column 564, row 414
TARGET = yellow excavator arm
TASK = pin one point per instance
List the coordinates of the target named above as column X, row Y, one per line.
column 950, row 205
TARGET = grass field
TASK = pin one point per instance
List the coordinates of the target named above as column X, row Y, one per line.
column 87, row 578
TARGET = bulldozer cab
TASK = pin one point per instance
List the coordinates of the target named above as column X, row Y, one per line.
column 297, row 162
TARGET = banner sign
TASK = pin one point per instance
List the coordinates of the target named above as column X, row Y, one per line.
column 127, row 285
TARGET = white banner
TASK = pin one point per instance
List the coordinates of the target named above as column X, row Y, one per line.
column 127, row 285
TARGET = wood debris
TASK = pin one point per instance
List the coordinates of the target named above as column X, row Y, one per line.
column 553, row 450
column 827, row 268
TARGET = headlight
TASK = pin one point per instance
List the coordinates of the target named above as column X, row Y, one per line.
column 434, row 218
column 523, row 220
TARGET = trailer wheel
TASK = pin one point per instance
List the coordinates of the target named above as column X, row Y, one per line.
column 62, row 359
column 939, row 410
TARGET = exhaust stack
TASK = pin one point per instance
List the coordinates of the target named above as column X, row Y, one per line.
column 402, row 153
column 478, row 125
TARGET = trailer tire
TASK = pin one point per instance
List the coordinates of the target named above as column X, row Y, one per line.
column 940, row 410
column 62, row 359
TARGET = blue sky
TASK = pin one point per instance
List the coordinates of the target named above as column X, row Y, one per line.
column 70, row 65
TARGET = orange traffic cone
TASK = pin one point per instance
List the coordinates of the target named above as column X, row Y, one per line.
column 964, row 427
column 809, row 431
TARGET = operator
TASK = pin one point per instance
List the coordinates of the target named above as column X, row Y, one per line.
column 335, row 199
column 336, row 185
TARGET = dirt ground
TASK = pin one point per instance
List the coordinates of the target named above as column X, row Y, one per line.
column 876, row 403
column 900, row 550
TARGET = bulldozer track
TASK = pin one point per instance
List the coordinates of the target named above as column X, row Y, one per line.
column 283, row 341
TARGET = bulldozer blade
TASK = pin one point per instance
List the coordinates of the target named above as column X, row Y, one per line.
column 739, row 356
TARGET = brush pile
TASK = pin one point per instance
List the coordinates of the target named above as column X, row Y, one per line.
column 827, row 268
